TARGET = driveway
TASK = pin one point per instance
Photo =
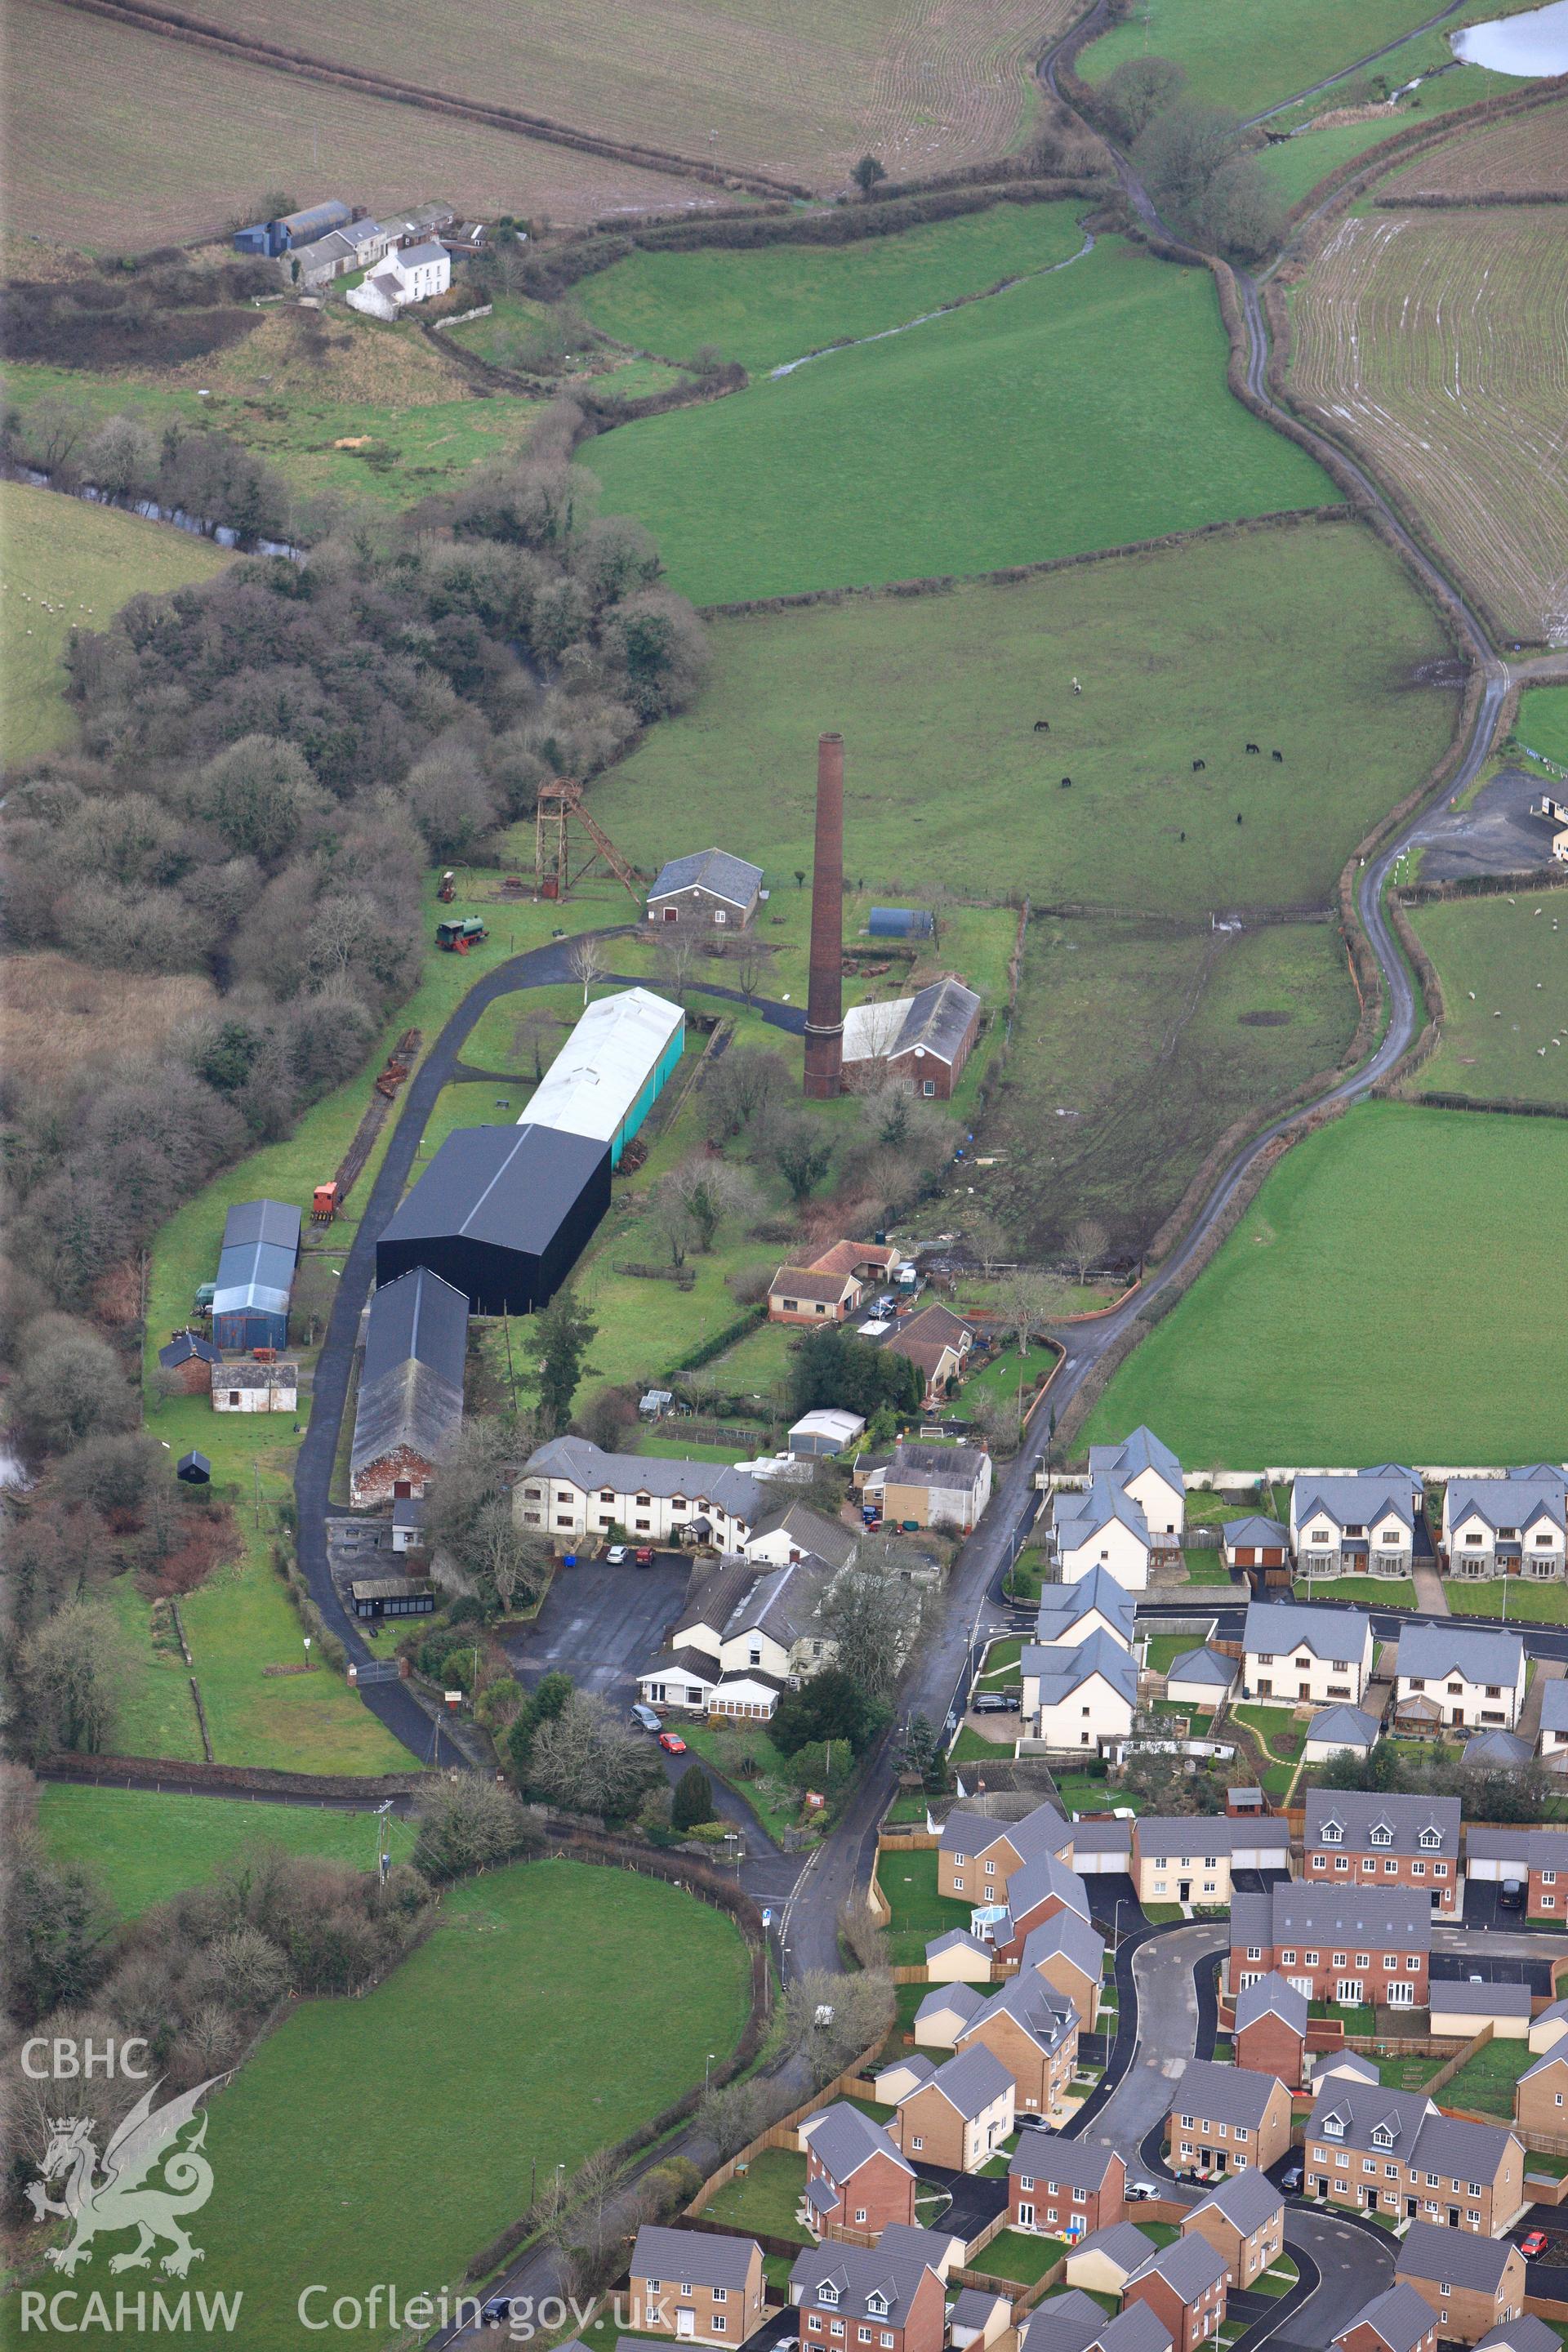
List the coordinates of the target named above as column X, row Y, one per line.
column 1496, row 834
column 601, row 1624
column 977, row 2199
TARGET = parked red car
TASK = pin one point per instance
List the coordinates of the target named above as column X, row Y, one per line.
column 643, row 1556
column 1532, row 2243
column 673, row 1745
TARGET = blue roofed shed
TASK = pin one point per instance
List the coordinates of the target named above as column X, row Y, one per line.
column 256, row 1275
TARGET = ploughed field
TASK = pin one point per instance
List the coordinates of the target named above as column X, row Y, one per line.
column 1523, row 155
column 1382, row 1299
column 798, row 95
column 1082, row 409
column 1436, row 345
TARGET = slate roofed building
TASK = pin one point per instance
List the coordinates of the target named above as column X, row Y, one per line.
column 571, row 1487
column 1336, row 1730
column 1200, row 1678
column 1554, row 1721
column 1456, row 1673
column 791, row 1531
column 1294, row 1657
column 1145, row 1467
column 502, row 1213
column 702, row 2286
column 936, row 1341
column 1515, row 1526
column 1227, row 2119
column 1397, row 2320
column 709, row 889
column 1348, row 1943
column 1078, row 1696
column 1097, row 1603
column 1386, row 1840
column 1472, row 2283
column 1525, row 2334
column 409, row 1409
column 923, row 1040
column 846, row 2287
column 977, row 1856
column 1365, row 1521
column 1427, row 2165
column 255, row 1275
column 189, row 1359
column 1244, row 2220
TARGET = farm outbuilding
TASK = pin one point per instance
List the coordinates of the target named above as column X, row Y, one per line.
column 710, row 888
column 900, row 923
column 189, row 1359
column 612, row 1069
column 502, row 1213
column 410, row 1406
column 293, row 230
column 194, row 1469
column 257, row 1387
column 255, row 1275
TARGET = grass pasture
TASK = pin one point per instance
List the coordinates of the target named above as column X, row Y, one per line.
column 199, row 136
column 1008, row 431
column 1504, row 969
column 534, row 1975
column 1435, row 344
column 69, row 564
column 946, row 779
column 1379, row 1301
column 142, row 1847
column 1240, row 55
column 1542, row 723
column 927, row 87
column 766, row 307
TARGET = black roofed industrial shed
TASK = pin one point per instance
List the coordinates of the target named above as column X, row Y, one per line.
column 502, row 1213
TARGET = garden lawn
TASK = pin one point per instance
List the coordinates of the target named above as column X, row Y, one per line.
column 773, row 1798
column 1163, row 1648
column 1409, row 2073
column 770, row 306
column 927, row 688
column 1015, row 2255
column 1537, row 1604
column 1008, row 431
column 1077, row 1793
column 1486, row 2080
column 764, row 2197
column 534, row 1975
column 1324, row 1329
column 70, row 565
column 1500, row 956
column 1367, row 1592
column 142, row 1847
column 1542, row 723
column 908, row 1883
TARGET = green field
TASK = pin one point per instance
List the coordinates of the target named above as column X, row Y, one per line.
column 1486, row 2080
column 1504, row 969
column 1542, row 721
column 1238, row 55
column 69, row 565
column 772, row 305
column 332, row 2149
column 947, row 780
column 1381, row 1300
column 142, row 1847
column 1009, row 431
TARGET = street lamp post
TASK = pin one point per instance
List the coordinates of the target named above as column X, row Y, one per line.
column 707, row 2070
column 306, row 1642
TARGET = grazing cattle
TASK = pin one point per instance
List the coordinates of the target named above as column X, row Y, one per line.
column 1279, row 755
column 1075, row 687
column 1181, row 836
column 1043, row 727
column 1067, row 783
column 1239, row 816
column 1252, row 747
column 1197, row 764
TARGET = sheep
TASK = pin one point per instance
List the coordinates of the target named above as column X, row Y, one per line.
column 1075, row 687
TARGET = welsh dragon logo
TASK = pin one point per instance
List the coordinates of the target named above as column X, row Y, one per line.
column 118, row 2195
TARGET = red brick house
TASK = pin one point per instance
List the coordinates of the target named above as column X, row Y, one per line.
column 978, row 1857
column 1186, row 2285
column 855, row 2177
column 1244, row 2220
column 859, row 2299
column 1394, row 2152
column 1352, row 1837
column 1538, row 1859
column 1397, row 2320
column 1335, row 1943
column 1224, row 2119
column 1064, row 2188
column 1270, row 2033
column 705, row 2287
column 1473, row 2284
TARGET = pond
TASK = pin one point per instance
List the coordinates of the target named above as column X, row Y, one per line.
column 1533, row 44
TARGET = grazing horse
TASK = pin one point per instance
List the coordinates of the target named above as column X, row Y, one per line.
column 1067, row 783
column 1280, row 756
column 1252, row 747
column 1043, row 727
column 1197, row 764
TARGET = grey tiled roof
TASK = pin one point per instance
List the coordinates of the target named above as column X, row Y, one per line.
column 1462, row 2258
column 577, row 1462
column 1188, row 2265
column 935, row 1466
column 1205, row 1666
column 960, row 1939
column 1066, row 1933
column 1040, row 1833
column 1077, row 1514
column 970, row 2084
column 1121, row 2242
column 1223, row 2094
column 1045, row 1875
column 1399, row 2316
column 1263, row 1535
column 1346, row 1726
column 1162, row 1836
column 845, row 2139
column 1271, row 1996
column 1300, row 1911
column 714, row 870
column 1358, row 1500
column 1464, row 2152
column 1505, row 1502
column 1497, row 1748
column 1554, row 1703
column 1280, row 1628
column 1246, row 2200
column 814, row 1531
column 1413, row 1824
column 1048, row 2017
column 962, row 1999
column 1061, row 1671
column 1064, row 2323
column 1430, row 1652
column 859, row 2273
column 1139, row 1450
column 692, row 2256
column 1062, row 1606
column 1139, row 2328
column 1076, row 2163
column 919, row 2063
column 1525, row 2334
column 940, row 1018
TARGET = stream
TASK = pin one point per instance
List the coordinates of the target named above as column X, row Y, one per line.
column 854, row 342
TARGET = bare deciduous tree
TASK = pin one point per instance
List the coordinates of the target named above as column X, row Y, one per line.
column 713, row 1193
column 1026, row 1302
column 586, row 958
column 673, row 963
column 531, row 1031
column 873, row 1613
column 832, row 2019
column 1086, row 1240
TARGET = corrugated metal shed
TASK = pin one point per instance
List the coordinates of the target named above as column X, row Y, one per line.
column 610, row 1072
column 900, row 923
column 256, row 1275
column 502, row 1213
column 312, row 221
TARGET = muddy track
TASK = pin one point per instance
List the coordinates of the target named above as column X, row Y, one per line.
column 171, row 24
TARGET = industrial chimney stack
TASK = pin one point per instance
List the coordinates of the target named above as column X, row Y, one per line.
column 824, row 997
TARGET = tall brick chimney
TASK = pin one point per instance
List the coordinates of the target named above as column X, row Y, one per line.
column 824, row 996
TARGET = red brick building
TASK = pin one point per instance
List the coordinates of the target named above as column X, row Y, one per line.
column 1270, row 2033
column 1397, row 2320
column 855, row 2177
column 1186, row 2285
column 1064, row 2188
column 859, row 2299
column 1335, row 1943
column 1378, row 1841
